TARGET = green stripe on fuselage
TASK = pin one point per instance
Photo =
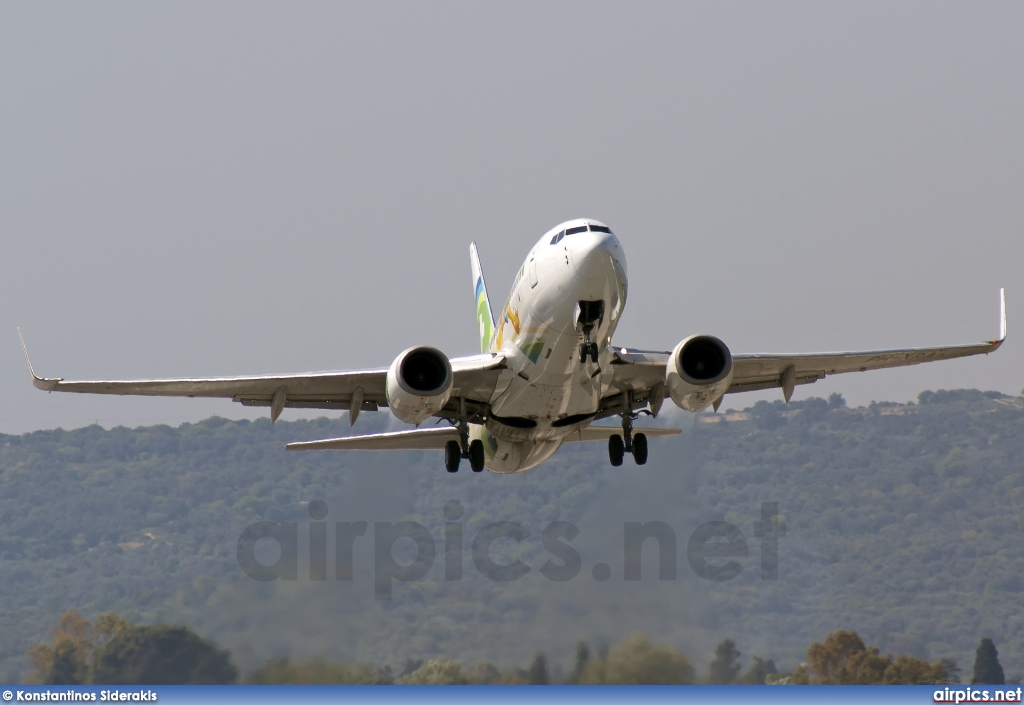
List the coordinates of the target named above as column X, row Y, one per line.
column 532, row 348
column 483, row 317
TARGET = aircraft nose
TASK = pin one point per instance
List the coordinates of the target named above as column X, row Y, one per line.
column 592, row 251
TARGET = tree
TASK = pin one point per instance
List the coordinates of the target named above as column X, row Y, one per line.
column 759, row 672
column 582, row 659
column 639, row 662
column 827, row 662
column 163, row 655
column 844, row 659
column 70, row 659
column 411, row 664
column 439, row 671
column 987, row 670
column 951, row 670
column 316, row 671
column 909, row 670
column 725, row 666
column 538, row 671
column 485, row 674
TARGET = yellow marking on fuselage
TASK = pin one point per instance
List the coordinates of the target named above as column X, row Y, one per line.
column 513, row 318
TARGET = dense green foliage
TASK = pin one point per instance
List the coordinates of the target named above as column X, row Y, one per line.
column 114, row 651
column 901, row 522
column 726, row 665
column 163, row 654
column 844, row 659
column 987, row 669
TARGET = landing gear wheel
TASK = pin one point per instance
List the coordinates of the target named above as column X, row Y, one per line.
column 452, row 456
column 583, row 354
column 616, row 450
column 593, row 353
column 640, row 448
column 476, row 455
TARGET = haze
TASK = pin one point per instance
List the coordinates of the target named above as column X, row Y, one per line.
column 197, row 189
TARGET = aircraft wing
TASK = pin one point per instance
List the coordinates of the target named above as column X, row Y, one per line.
column 474, row 379
column 642, row 371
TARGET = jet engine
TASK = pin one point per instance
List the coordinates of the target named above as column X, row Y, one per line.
column 419, row 383
column 699, row 372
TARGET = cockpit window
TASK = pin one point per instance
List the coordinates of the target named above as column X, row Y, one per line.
column 581, row 229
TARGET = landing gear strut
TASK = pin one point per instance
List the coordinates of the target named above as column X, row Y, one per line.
column 455, row 451
column 589, row 315
column 588, row 349
column 628, row 442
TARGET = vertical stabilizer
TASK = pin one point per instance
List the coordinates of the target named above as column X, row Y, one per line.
column 484, row 319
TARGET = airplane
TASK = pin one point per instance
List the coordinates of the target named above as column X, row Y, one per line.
column 547, row 370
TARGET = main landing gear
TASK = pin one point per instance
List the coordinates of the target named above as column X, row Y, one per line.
column 628, row 442
column 455, row 451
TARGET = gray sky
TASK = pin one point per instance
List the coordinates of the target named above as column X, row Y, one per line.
column 230, row 188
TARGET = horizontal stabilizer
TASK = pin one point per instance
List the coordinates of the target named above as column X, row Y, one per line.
column 602, row 433
column 418, row 439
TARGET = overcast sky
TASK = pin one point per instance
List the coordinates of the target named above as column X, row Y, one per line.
column 196, row 189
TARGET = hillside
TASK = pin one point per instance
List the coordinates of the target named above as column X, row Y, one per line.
column 902, row 522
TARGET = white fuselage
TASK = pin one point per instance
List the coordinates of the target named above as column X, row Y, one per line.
column 547, row 392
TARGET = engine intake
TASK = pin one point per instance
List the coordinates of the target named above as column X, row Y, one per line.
column 419, row 383
column 699, row 372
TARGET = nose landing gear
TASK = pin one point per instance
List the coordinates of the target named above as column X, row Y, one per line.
column 588, row 316
column 588, row 349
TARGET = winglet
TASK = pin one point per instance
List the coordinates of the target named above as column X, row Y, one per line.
column 1002, row 315
column 47, row 385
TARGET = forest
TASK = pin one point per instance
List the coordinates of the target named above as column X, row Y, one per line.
column 113, row 651
column 899, row 523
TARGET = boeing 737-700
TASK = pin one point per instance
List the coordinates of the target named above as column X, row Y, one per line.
column 547, row 370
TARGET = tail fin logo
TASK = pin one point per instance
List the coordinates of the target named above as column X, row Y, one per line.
column 483, row 316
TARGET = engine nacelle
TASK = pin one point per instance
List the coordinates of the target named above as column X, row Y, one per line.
column 699, row 372
column 419, row 383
